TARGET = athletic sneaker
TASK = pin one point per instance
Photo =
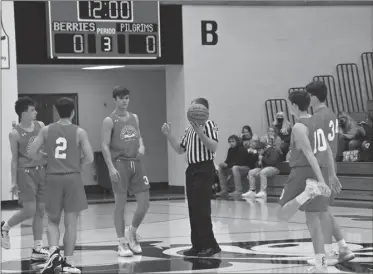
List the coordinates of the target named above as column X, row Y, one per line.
column 133, row 242
column 321, row 269
column 261, row 194
column 5, row 240
column 250, row 193
column 43, row 254
column 222, row 193
column 124, row 250
column 323, row 189
column 235, row 194
column 312, row 188
column 69, row 268
column 343, row 255
column 54, row 262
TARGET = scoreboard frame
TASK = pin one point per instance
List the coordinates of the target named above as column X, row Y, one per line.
column 51, row 41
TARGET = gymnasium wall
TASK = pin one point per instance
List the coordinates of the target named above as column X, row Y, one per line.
column 261, row 52
column 9, row 94
column 148, row 100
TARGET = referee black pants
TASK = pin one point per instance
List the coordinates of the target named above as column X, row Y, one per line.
column 199, row 180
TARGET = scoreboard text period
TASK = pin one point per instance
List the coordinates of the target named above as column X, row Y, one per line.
column 104, row 29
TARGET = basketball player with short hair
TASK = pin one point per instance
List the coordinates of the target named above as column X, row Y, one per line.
column 64, row 144
column 28, row 177
column 123, row 148
column 322, row 114
column 306, row 188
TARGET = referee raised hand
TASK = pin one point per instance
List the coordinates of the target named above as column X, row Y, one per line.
column 200, row 144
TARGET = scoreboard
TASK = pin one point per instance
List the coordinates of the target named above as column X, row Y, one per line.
column 103, row 30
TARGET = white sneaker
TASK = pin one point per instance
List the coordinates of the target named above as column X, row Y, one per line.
column 261, row 194
column 43, row 254
column 250, row 193
column 331, row 259
column 5, row 240
column 69, row 268
column 319, row 269
column 312, row 188
column 124, row 250
column 133, row 242
column 336, row 257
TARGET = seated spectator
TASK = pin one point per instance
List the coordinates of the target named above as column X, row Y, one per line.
column 237, row 164
column 283, row 129
column 367, row 141
column 266, row 165
column 350, row 135
column 248, row 135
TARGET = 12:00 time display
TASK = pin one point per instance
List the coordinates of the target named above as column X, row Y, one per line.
column 105, row 10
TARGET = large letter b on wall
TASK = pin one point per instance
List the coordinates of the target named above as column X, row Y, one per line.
column 208, row 32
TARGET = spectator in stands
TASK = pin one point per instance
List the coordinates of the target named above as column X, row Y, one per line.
column 367, row 142
column 349, row 135
column 248, row 135
column 266, row 165
column 236, row 164
column 283, row 129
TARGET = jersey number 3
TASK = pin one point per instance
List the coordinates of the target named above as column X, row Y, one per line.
column 319, row 137
column 60, row 150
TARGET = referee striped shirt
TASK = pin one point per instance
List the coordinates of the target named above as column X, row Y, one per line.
column 195, row 150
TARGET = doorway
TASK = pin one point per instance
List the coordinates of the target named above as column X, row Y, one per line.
column 47, row 112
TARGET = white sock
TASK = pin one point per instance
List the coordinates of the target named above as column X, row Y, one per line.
column 70, row 260
column 342, row 243
column 122, row 240
column 320, row 260
column 302, row 198
column 6, row 227
column 52, row 249
column 328, row 248
column 38, row 244
column 133, row 230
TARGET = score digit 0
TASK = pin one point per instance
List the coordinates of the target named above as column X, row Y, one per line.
column 78, row 41
column 150, row 44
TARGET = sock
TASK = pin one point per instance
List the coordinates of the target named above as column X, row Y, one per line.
column 302, row 198
column 52, row 249
column 342, row 243
column 6, row 227
column 122, row 240
column 133, row 230
column 69, row 260
column 328, row 248
column 38, row 244
column 320, row 260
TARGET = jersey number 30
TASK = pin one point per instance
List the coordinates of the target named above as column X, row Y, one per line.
column 319, row 137
column 60, row 150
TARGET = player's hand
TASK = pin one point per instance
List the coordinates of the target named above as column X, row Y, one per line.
column 141, row 151
column 197, row 128
column 114, row 174
column 166, row 129
column 14, row 189
column 335, row 184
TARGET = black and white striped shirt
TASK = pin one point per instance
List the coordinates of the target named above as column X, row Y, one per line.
column 196, row 151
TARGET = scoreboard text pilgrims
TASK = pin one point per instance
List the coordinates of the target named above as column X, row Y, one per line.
column 104, row 29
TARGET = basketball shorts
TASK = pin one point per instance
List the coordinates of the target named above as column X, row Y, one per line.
column 65, row 192
column 133, row 177
column 31, row 184
column 296, row 184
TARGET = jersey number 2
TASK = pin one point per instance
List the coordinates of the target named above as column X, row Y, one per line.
column 319, row 137
column 60, row 150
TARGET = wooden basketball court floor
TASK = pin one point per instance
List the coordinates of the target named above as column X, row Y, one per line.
column 251, row 238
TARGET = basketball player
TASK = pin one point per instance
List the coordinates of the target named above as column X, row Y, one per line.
column 308, row 160
column 123, row 147
column 318, row 92
column 64, row 144
column 28, row 177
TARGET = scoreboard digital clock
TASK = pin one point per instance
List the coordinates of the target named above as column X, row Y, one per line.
column 104, row 30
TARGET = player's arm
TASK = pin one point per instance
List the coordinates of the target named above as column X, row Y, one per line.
column 141, row 141
column 302, row 142
column 14, row 139
column 38, row 143
column 86, row 147
column 107, row 128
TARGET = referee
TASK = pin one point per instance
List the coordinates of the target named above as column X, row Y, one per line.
column 200, row 144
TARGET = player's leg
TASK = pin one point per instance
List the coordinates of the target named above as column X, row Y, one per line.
column 27, row 198
column 139, row 185
column 74, row 202
column 120, row 195
column 252, row 185
column 264, row 174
